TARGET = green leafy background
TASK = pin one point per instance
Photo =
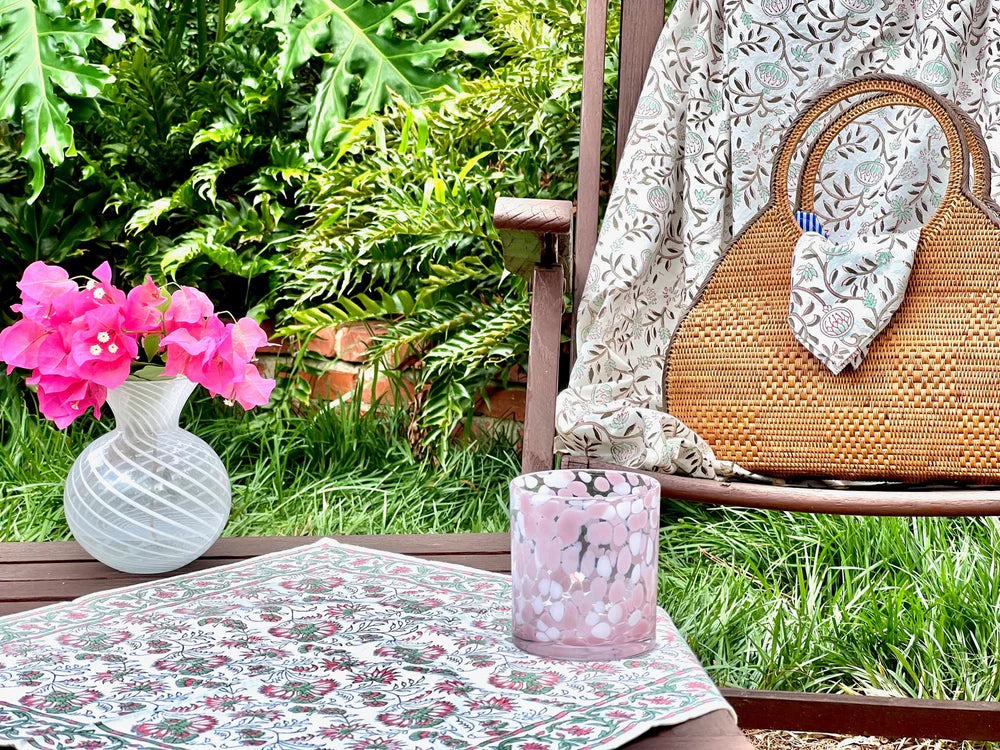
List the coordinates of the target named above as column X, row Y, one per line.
column 309, row 161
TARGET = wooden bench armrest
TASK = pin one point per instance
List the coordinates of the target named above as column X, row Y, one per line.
column 533, row 215
column 534, row 232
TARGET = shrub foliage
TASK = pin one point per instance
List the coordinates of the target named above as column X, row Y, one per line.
column 311, row 161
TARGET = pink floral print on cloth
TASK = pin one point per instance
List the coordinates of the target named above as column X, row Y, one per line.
column 726, row 80
column 322, row 647
column 845, row 293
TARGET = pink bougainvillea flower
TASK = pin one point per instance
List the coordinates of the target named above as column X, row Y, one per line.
column 191, row 349
column 101, row 350
column 63, row 399
column 245, row 338
column 215, row 370
column 102, row 290
column 189, row 309
column 230, row 372
column 40, row 285
column 79, row 343
column 142, row 307
column 219, row 357
column 54, row 353
column 20, row 343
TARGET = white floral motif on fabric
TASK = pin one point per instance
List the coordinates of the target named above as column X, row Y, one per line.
column 726, row 80
column 323, row 647
column 844, row 294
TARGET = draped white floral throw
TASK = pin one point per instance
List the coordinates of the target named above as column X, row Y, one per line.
column 726, row 80
column 845, row 293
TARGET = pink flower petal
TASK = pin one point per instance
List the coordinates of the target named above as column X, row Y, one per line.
column 141, row 310
column 247, row 338
column 103, row 273
column 187, row 306
column 254, row 390
column 20, row 342
column 42, row 283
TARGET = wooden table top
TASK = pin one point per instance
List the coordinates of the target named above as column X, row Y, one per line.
column 34, row 574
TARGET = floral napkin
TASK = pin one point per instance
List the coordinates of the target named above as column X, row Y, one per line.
column 845, row 294
column 321, row 647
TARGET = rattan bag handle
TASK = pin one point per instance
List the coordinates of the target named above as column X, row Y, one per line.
column 981, row 173
column 921, row 96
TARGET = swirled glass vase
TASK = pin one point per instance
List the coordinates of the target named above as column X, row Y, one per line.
column 147, row 497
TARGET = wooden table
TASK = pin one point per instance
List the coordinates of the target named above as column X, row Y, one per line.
column 36, row 574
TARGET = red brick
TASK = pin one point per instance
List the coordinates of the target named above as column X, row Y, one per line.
column 348, row 343
column 335, row 381
column 324, row 343
column 340, row 379
column 385, row 391
column 517, row 375
column 353, row 340
column 275, row 345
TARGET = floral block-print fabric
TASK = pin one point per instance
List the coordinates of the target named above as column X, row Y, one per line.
column 322, row 647
column 845, row 293
column 726, row 80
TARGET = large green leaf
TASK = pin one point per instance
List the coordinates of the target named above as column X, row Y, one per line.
column 365, row 58
column 42, row 51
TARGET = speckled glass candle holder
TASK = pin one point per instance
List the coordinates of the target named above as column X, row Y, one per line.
column 583, row 563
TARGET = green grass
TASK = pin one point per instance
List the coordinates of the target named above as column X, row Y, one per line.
column 879, row 606
column 794, row 602
column 332, row 472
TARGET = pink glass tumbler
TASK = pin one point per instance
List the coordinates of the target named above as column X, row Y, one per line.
column 583, row 563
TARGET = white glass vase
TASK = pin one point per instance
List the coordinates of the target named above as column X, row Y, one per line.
column 147, row 497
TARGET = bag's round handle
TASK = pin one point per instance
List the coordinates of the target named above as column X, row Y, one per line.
column 923, row 97
column 981, row 172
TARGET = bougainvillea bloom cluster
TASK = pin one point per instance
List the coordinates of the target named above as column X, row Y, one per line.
column 80, row 341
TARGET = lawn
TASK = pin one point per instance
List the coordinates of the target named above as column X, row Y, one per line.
column 768, row 600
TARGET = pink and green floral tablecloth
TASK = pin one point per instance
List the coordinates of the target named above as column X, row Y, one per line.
column 323, row 646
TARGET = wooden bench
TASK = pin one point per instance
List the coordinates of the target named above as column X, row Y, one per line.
column 34, row 574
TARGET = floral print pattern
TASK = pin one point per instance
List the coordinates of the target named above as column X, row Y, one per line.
column 844, row 294
column 726, row 80
column 394, row 652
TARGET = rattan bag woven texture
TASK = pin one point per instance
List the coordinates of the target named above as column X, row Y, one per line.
column 925, row 403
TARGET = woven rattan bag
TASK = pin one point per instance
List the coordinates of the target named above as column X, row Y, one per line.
column 925, row 403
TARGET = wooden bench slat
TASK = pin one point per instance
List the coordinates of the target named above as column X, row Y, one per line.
column 241, row 547
column 714, row 730
column 12, row 574
column 865, row 715
column 75, row 570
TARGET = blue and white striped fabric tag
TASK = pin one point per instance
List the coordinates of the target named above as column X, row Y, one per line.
column 810, row 222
